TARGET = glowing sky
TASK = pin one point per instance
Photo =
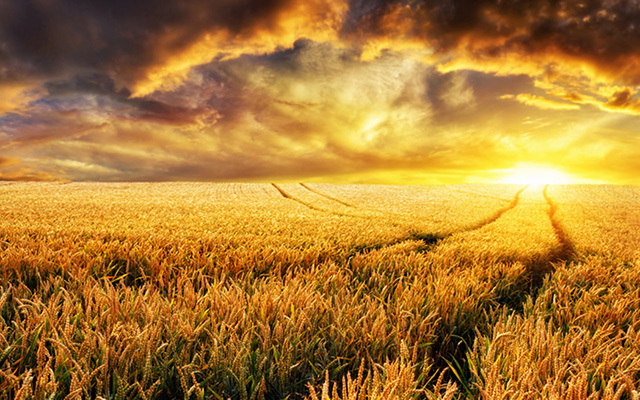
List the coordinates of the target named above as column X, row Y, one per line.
column 414, row 91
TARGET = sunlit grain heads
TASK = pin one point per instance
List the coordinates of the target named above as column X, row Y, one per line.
column 234, row 291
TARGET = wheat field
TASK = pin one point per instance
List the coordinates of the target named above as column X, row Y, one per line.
column 319, row 291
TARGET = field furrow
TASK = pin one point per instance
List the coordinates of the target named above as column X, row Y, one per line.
column 522, row 232
column 600, row 219
column 438, row 210
column 498, row 214
column 312, row 199
column 286, row 195
column 566, row 248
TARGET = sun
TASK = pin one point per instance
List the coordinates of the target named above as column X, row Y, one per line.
column 529, row 174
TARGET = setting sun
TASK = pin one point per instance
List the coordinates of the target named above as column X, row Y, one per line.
column 536, row 175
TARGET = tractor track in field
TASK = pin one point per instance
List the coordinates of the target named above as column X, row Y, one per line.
column 538, row 269
column 297, row 200
column 566, row 250
column 497, row 215
column 288, row 196
column 326, row 196
column 428, row 239
column 431, row 239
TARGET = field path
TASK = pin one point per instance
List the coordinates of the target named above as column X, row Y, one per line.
column 428, row 238
column 498, row 214
column 564, row 252
column 431, row 239
column 566, row 249
column 290, row 197
column 326, row 196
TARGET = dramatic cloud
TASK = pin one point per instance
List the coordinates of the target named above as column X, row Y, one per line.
column 135, row 42
column 310, row 110
column 593, row 35
column 379, row 90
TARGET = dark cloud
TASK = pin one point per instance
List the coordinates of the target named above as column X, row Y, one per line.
column 601, row 34
column 119, row 101
column 120, row 38
column 42, row 128
column 620, row 99
column 123, row 39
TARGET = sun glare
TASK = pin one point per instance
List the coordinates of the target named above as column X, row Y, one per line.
column 535, row 175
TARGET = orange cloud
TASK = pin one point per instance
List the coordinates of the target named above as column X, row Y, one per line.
column 545, row 39
column 15, row 96
column 317, row 20
column 623, row 101
column 27, row 174
column 542, row 102
column 9, row 161
column 607, row 97
column 12, row 169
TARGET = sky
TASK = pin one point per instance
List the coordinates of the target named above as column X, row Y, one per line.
column 360, row 91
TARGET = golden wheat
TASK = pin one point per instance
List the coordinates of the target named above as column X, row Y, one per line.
column 188, row 290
